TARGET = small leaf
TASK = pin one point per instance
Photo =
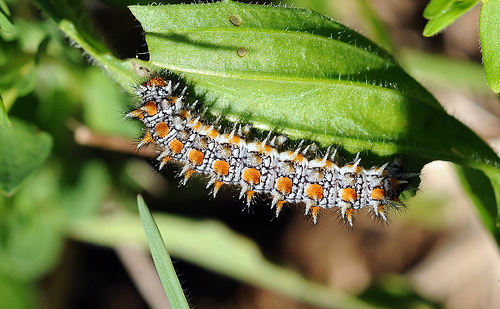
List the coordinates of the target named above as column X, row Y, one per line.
column 442, row 13
column 162, row 261
column 23, row 149
column 490, row 42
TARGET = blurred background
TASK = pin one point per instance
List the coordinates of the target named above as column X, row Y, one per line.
column 70, row 237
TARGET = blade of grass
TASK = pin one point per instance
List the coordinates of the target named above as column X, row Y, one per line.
column 162, row 260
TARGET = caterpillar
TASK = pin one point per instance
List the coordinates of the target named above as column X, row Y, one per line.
column 184, row 137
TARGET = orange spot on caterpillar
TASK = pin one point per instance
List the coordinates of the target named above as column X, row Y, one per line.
column 136, row 114
column 221, row 167
column 251, row 175
column 284, row 185
column 279, row 206
column 349, row 214
column 264, row 148
column 348, row 195
column 314, row 191
column 156, row 81
column 150, row 108
column 358, row 168
column 212, row 133
column 196, row 125
column 217, row 186
column 298, row 158
column 235, row 140
column 250, row 194
column 196, row 157
column 176, row 146
column 164, row 161
column 161, row 129
column 314, row 213
column 378, row 194
column 146, row 139
column 188, row 175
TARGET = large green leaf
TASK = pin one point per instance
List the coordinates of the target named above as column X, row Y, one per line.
column 23, row 148
column 442, row 13
column 490, row 42
column 307, row 76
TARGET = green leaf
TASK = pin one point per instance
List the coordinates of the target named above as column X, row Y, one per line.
column 490, row 42
column 212, row 245
column 4, row 119
column 23, row 149
column 442, row 13
column 306, row 76
column 162, row 261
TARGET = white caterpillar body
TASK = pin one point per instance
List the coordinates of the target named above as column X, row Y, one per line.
column 257, row 167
